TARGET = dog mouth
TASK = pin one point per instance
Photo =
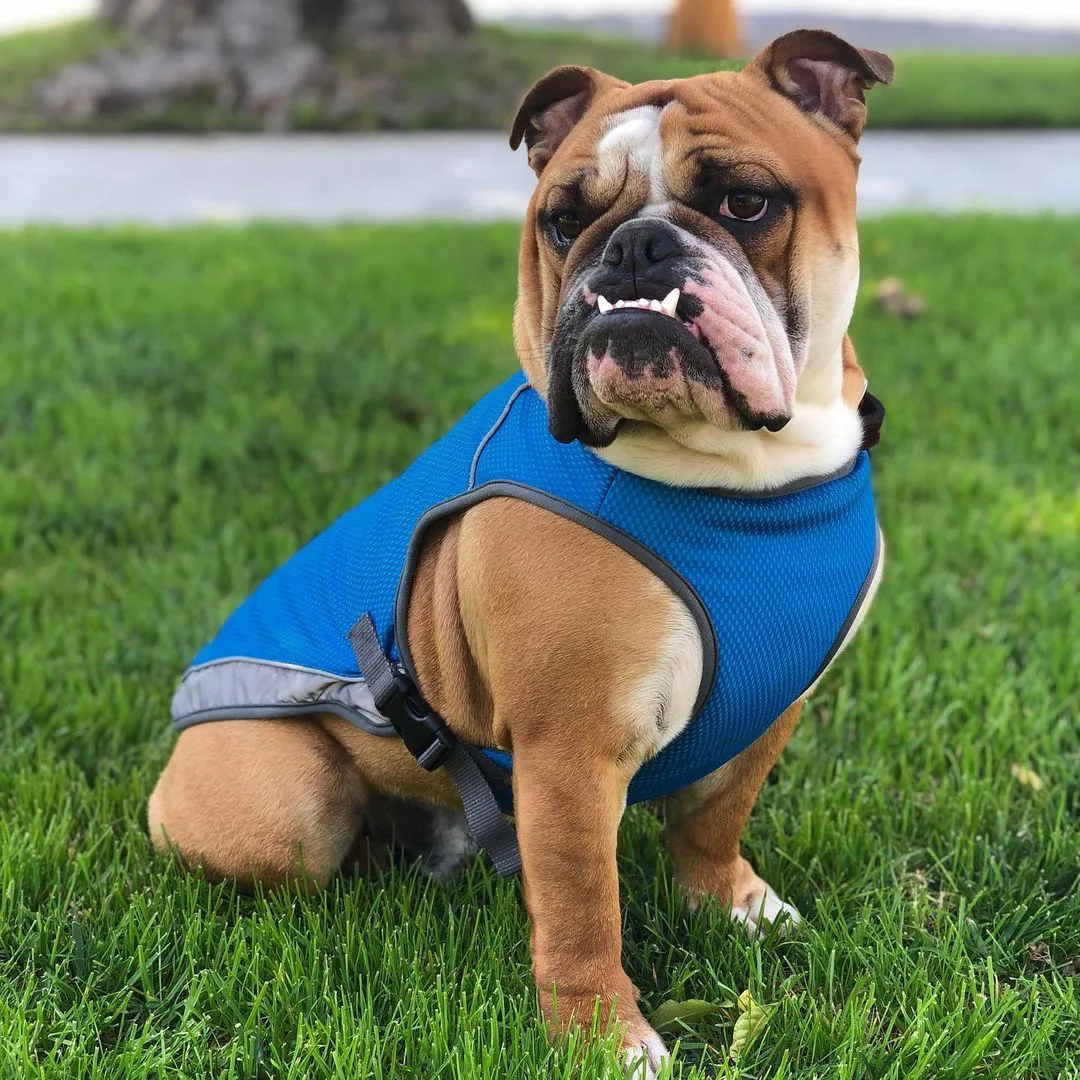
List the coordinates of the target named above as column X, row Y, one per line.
column 648, row 359
column 708, row 348
column 668, row 307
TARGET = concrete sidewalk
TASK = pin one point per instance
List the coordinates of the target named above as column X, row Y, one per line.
column 458, row 176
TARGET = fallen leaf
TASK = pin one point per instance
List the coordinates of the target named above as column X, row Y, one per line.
column 891, row 298
column 671, row 1014
column 914, row 306
column 1038, row 953
column 1028, row 777
column 889, row 288
column 752, row 1018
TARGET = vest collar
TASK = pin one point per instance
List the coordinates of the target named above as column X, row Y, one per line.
column 872, row 414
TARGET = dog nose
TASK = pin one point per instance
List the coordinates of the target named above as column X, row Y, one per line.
column 638, row 246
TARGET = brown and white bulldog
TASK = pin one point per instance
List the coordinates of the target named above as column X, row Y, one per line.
column 724, row 204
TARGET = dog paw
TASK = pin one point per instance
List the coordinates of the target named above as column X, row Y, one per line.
column 759, row 906
column 451, row 845
column 644, row 1055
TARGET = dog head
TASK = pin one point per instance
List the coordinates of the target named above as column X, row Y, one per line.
column 690, row 261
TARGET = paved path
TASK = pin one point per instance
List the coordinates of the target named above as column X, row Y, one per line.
column 463, row 176
column 890, row 26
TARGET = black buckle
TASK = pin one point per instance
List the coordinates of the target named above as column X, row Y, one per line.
column 422, row 729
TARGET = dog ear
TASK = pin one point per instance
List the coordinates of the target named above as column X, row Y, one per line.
column 823, row 75
column 552, row 107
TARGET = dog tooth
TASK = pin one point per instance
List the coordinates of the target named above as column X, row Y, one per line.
column 670, row 302
column 655, row 305
column 620, row 303
column 603, row 304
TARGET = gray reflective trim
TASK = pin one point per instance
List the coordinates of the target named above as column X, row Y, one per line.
column 493, row 429
column 237, row 689
column 281, row 664
column 646, row 556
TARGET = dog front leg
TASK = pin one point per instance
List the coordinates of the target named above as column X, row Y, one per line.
column 568, row 814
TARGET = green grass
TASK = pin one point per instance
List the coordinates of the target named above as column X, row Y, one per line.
column 476, row 82
column 182, row 410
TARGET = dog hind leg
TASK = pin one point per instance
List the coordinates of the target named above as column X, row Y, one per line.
column 259, row 802
column 705, row 821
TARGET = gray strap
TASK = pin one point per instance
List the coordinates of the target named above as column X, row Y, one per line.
column 376, row 669
column 487, row 824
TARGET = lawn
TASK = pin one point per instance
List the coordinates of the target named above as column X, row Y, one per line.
column 477, row 82
column 182, row 410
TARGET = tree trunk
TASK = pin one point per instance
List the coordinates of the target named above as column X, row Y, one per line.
column 258, row 56
column 709, row 27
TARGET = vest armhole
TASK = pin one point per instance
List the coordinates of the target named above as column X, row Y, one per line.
column 511, row 489
column 858, row 609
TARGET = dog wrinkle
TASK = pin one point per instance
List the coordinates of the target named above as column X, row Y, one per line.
column 661, row 704
column 632, row 143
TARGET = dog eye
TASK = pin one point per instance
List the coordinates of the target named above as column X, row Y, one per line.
column 744, row 205
column 566, row 227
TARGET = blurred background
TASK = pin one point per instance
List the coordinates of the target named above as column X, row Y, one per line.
column 181, row 68
column 1052, row 14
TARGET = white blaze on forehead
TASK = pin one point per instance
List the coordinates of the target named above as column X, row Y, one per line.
column 631, row 143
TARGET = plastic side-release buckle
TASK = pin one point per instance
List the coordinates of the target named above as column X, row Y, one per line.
column 422, row 730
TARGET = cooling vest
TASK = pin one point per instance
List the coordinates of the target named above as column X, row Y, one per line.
column 774, row 581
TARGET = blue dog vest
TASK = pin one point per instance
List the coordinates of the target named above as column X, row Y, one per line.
column 774, row 581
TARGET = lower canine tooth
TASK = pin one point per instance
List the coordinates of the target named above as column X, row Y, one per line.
column 670, row 302
column 603, row 304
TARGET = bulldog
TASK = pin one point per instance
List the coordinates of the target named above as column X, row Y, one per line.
column 619, row 576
